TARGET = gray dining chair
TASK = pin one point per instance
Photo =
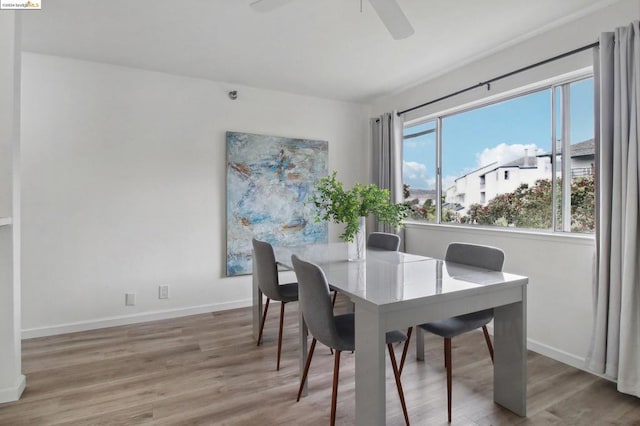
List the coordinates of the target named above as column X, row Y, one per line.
column 384, row 241
column 480, row 256
column 334, row 331
column 264, row 262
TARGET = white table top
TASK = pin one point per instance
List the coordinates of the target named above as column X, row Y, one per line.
column 387, row 278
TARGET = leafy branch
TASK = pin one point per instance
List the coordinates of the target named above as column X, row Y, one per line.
column 337, row 205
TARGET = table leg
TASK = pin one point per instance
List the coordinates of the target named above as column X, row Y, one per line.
column 510, row 356
column 370, row 368
column 303, row 348
column 257, row 305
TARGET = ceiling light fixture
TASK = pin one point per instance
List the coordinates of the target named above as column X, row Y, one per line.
column 389, row 12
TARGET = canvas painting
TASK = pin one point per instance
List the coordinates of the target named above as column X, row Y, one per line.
column 269, row 183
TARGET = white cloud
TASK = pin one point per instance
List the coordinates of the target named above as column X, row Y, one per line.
column 415, row 174
column 504, row 153
column 414, row 170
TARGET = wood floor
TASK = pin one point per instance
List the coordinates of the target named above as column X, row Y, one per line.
column 206, row 369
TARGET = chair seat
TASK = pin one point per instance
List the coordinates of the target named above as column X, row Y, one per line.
column 452, row 327
column 289, row 292
column 345, row 325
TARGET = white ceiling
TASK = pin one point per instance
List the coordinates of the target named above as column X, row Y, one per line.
column 325, row 48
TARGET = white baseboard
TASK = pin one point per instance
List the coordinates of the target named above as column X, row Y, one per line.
column 13, row 393
column 53, row 330
column 573, row 360
column 557, row 354
column 551, row 352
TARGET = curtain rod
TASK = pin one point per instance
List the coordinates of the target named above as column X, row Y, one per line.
column 500, row 77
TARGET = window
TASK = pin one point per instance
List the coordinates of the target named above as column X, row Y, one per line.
column 419, row 170
column 502, row 164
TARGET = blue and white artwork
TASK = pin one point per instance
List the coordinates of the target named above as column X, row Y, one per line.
column 270, row 180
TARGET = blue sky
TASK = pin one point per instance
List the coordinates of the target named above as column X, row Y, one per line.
column 499, row 132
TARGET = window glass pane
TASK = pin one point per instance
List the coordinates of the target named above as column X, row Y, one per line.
column 496, row 167
column 419, row 170
column 582, row 156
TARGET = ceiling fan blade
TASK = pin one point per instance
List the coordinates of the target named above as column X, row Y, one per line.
column 393, row 18
column 268, row 5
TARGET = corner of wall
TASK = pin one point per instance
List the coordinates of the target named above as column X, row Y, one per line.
column 13, row 393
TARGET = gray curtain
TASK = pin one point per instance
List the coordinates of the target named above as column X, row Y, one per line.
column 386, row 133
column 615, row 344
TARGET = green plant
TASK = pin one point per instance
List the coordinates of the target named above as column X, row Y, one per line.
column 338, row 205
column 530, row 206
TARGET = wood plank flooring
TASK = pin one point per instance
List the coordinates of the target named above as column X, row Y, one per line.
column 207, row 370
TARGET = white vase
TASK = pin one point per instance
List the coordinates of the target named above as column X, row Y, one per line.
column 357, row 249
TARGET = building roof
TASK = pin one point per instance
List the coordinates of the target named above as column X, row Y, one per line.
column 583, row 149
column 529, row 162
column 580, row 149
column 476, row 170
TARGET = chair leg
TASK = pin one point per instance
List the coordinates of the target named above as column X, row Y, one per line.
column 264, row 318
column 396, row 374
column 306, row 368
column 333, row 304
column 445, row 353
column 447, row 357
column 280, row 333
column 488, row 339
column 334, row 393
column 404, row 350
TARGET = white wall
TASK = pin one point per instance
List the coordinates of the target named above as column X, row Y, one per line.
column 12, row 382
column 560, row 268
column 124, row 187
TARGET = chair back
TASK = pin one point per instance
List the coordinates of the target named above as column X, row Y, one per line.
column 264, row 263
column 476, row 255
column 384, row 241
column 315, row 302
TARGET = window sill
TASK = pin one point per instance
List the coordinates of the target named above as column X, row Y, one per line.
column 565, row 237
column 5, row 221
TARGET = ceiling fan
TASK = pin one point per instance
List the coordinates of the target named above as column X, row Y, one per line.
column 389, row 12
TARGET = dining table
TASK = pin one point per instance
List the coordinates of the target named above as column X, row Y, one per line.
column 394, row 290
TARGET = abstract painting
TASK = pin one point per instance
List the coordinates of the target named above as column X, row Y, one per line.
column 270, row 180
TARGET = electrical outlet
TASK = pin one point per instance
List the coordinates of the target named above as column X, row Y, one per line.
column 130, row 299
column 163, row 292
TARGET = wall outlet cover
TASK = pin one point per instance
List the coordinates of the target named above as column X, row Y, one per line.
column 163, row 292
column 130, row 299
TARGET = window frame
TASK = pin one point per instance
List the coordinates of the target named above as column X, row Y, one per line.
column 563, row 82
